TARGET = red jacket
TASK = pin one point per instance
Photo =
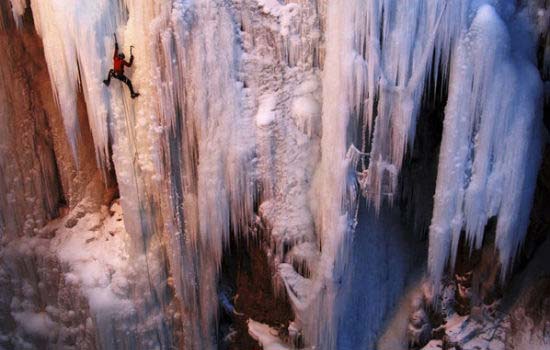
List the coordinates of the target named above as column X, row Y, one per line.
column 119, row 63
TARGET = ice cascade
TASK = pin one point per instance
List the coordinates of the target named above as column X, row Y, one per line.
column 194, row 154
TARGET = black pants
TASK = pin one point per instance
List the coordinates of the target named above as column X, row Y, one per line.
column 122, row 78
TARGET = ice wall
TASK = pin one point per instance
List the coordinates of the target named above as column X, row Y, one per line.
column 473, row 46
column 76, row 37
column 174, row 129
column 378, row 80
column 491, row 140
column 207, row 145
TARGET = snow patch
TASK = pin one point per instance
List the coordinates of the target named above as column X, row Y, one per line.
column 97, row 253
column 37, row 324
column 307, row 115
column 266, row 336
column 284, row 12
column 266, row 110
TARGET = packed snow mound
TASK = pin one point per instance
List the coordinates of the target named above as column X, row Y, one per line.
column 97, row 250
column 266, row 110
column 307, row 113
column 72, row 279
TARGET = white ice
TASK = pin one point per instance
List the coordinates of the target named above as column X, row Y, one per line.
column 491, row 139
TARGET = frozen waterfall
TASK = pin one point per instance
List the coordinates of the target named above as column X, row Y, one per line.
column 283, row 115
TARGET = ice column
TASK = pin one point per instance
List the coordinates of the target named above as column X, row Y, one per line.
column 334, row 188
column 398, row 43
column 208, row 145
column 491, row 139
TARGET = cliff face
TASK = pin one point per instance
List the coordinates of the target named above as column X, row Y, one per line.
column 288, row 175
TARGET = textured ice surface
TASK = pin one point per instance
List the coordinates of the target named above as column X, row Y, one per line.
column 266, row 114
column 491, row 139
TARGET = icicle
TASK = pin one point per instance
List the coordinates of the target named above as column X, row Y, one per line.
column 78, row 43
column 398, row 47
column 334, row 188
column 18, row 9
column 401, row 45
column 491, row 144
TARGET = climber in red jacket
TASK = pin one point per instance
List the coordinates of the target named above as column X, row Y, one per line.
column 118, row 72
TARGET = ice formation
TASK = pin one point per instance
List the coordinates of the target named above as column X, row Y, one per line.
column 233, row 115
column 492, row 105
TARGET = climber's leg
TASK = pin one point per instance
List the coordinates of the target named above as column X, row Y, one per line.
column 128, row 82
column 108, row 80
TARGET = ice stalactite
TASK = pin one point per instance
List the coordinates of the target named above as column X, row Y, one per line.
column 491, row 142
column 209, row 144
column 397, row 48
column 18, row 9
column 334, row 190
column 77, row 40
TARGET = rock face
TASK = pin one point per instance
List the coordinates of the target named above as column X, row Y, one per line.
column 38, row 167
column 288, row 175
column 29, row 166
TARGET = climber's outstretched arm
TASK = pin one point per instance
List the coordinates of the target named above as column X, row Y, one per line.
column 116, row 50
column 129, row 64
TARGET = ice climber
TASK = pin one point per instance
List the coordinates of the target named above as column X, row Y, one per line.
column 118, row 70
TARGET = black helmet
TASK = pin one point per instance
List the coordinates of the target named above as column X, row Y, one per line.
column 121, row 55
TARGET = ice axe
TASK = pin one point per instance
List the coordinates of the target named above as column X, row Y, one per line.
column 131, row 47
column 114, row 34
